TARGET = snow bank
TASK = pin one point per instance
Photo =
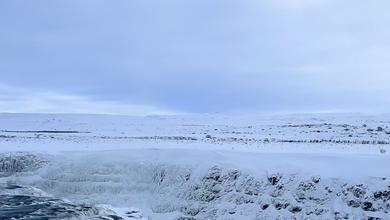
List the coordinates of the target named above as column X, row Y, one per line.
column 202, row 185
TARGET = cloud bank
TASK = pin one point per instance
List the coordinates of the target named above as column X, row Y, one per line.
column 103, row 56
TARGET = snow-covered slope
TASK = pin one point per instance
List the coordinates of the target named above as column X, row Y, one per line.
column 205, row 166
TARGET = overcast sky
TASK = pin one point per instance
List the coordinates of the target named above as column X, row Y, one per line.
column 180, row 56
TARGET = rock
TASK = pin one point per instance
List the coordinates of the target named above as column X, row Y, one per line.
column 185, row 218
column 280, row 206
column 383, row 195
column 354, row 204
column 295, row 209
column 265, row 206
column 274, row 179
column 358, row 190
column 367, row 206
column 374, row 218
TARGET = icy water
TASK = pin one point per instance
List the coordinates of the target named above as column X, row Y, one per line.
column 24, row 202
column 18, row 202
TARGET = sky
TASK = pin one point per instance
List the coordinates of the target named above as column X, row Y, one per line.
column 141, row 57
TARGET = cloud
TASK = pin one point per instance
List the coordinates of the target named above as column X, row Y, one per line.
column 16, row 100
column 195, row 56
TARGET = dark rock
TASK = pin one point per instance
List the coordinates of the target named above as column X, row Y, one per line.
column 274, row 179
column 265, row 206
column 295, row 209
column 354, row 204
column 232, row 212
column 383, row 195
column 185, row 218
column 280, row 206
column 367, row 206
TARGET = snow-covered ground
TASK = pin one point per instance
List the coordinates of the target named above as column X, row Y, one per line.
column 309, row 166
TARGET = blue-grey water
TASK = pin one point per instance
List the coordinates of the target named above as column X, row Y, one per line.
column 16, row 206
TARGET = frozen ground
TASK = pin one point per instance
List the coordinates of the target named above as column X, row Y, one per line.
column 318, row 166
